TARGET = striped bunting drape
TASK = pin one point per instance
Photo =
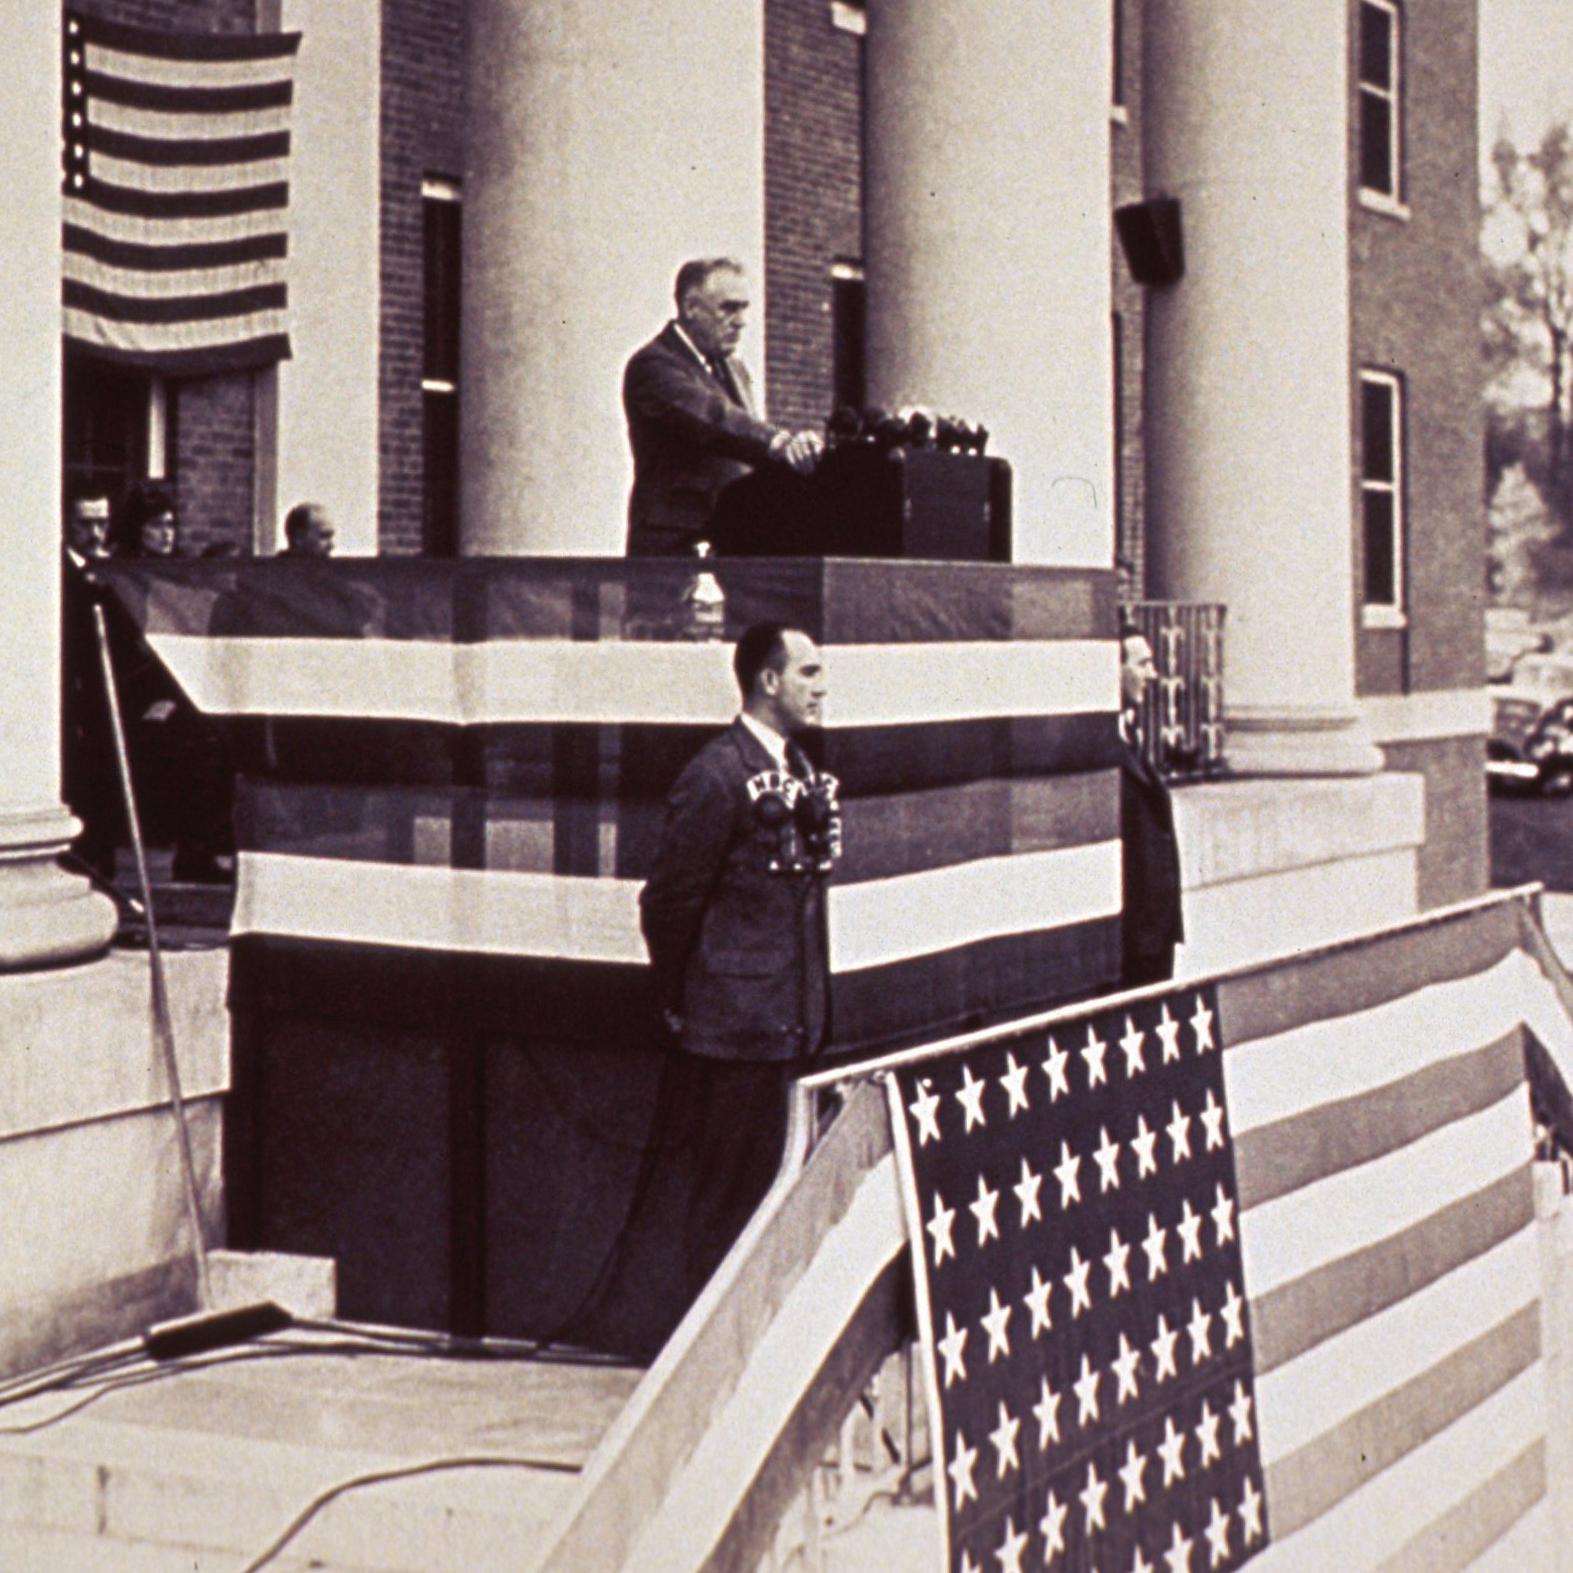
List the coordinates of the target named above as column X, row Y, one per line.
column 176, row 193
column 1382, row 1136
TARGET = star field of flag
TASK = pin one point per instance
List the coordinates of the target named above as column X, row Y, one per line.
column 1072, row 1206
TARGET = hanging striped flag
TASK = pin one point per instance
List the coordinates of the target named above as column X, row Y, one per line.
column 175, row 235
column 1083, row 1243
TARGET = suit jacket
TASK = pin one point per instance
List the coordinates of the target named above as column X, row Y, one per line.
column 1152, row 917
column 739, row 952
column 691, row 435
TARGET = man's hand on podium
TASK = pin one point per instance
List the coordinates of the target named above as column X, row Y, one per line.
column 801, row 450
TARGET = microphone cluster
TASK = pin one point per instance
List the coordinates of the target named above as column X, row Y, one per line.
column 910, row 428
column 804, row 817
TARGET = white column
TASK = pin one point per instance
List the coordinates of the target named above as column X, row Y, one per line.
column 609, row 141
column 987, row 181
column 327, row 415
column 1249, row 482
column 46, row 915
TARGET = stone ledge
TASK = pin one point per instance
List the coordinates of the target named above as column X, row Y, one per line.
column 1235, row 830
column 77, row 1044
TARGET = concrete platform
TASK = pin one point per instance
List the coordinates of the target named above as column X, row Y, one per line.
column 198, row 1467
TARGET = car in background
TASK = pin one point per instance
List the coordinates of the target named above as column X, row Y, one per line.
column 1530, row 749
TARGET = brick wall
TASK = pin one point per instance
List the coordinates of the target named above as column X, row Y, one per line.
column 213, row 449
column 422, row 134
column 813, row 196
column 1415, row 288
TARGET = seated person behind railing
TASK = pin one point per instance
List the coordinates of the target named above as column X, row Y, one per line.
column 1151, row 921
column 147, row 526
column 308, row 531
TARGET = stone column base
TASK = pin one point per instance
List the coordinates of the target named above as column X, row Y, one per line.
column 1304, row 741
column 48, row 915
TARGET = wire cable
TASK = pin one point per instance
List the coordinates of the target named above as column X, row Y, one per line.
column 381, row 1477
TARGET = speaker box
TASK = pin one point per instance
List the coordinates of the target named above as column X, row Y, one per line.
column 1152, row 239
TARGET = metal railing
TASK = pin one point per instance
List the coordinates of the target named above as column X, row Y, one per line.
column 1180, row 724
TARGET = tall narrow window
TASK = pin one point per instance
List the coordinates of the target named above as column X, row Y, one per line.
column 1117, row 87
column 1381, row 127
column 1382, row 497
column 440, row 369
column 847, row 317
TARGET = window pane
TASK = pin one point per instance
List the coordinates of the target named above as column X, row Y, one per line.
column 1380, row 588
column 1376, row 411
column 847, row 316
column 1376, row 143
column 441, row 359
column 440, row 512
column 1376, row 46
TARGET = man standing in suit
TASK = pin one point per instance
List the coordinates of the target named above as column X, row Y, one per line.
column 692, row 420
column 734, row 918
column 1151, row 922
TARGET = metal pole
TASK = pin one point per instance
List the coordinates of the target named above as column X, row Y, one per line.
column 163, row 1031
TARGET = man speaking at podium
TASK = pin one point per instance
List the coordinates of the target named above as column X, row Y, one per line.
column 692, row 420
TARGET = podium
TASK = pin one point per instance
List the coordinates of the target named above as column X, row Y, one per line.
column 871, row 501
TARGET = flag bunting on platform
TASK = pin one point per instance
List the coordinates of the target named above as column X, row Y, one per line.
column 1080, row 1277
column 175, row 234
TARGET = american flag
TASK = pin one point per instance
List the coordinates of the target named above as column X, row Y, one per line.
column 1074, row 1194
column 1343, row 1140
column 176, row 193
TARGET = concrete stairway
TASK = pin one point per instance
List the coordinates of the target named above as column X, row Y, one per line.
column 199, row 1466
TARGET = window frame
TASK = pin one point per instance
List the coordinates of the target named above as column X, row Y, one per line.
column 1389, row 99
column 1380, row 613
column 440, row 381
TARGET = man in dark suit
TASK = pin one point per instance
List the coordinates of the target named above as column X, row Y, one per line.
column 1151, row 924
column 734, row 918
column 692, row 420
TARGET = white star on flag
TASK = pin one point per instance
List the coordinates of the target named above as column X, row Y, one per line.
column 1003, row 1436
column 1232, row 1312
column 1190, row 1227
column 967, row 1564
column 1139, row 1563
column 1054, row 1069
column 995, row 1324
column 951, row 1346
column 1086, row 1387
column 1066, row 1171
column 1180, row 1133
column 1014, row 1081
column 983, row 1210
column 1212, row 1121
column 1036, row 1300
column 1207, row 1434
column 1223, row 1216
column 1240, row 1414
column 1163, row 1349
column 1116, row 1259
column 1047, row 1413
column 1142, row 1144
column 1132, row 1044
column 1168, row 1030
column 1172, row 1451
column 1052, row 1526
column 1107, row 1154
column 970, row 1096
column 1011, row 1548
column 1093, row 1054
column 1218, row 1535
column 1026, row 1189
column 1124, row 1369
column 1250, row 1511
column 1157, row 1259
column 939, row 1227
column 925, row 1111
column 963, row 1461
column 1092, row 1495
column 1178, row 1556
column 1201, row 1337
column 1076, row 1281
column 1202, row 1026
column 1131, row 1472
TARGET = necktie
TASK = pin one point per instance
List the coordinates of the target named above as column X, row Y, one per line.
column 797, row 762
column 723, row 374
